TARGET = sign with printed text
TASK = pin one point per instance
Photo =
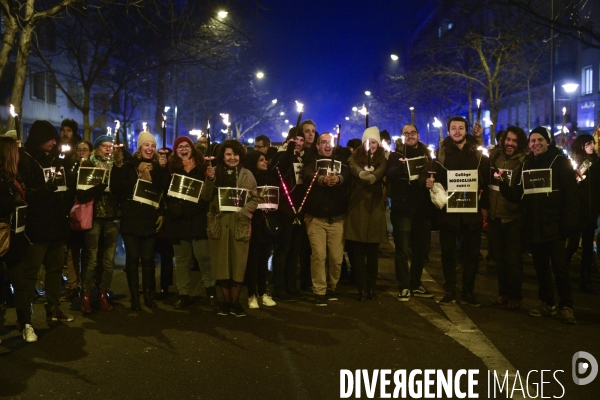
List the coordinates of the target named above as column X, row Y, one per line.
column 186, row 188
column 232, row 199
column 269, row 196
column 324, row 166
column 20, row 218
column 415, row 166
column 298, row 172
column 145, row 193
column 495, row 182
column 88, row 177
column 56, row 176
column 537, row 181
column 463, row 187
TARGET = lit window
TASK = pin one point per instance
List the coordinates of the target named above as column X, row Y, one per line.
column 587, row 74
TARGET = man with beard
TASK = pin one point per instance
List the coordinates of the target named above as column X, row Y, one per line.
column 504, row 221
column 550, row 200
column 410, row 214
column 464, row 172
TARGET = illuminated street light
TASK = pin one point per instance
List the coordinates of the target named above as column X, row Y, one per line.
column 222, row 14
column 250, row 140
column 368, row 93
column 287, row 121
column 291, row 126
column 570, row 87
column 274, row 101
column 167, row 108
column 284, row 134
column 355, row 109
column 260, row 75
column 282, row 113
column 347, row 118
column 394, row 57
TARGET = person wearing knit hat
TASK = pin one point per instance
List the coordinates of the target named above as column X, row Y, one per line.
column 144, row 137
column 11, row 133
column 182, row 139
column 372, row 133
column 42, row 135
column 543, row 132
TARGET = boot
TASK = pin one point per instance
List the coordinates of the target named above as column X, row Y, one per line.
column 86, row 302
column 133, row 280
column 147, row 279
column 104, row 304
column 211, row 293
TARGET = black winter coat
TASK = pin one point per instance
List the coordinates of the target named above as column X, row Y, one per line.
column 10, row 199
column 137, row 218
column 284, row 161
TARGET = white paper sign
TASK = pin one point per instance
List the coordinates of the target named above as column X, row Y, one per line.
column 537, row 181
column 232, row 199
column 414, row 166
column 463, row 188
column 57, row 177
column 186, row 188
column 298, row 171
column 269, row 197
column 20, row 219
column 145, row 193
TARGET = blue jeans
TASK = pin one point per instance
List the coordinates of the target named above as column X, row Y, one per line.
column 418, row 234
column 108, row 229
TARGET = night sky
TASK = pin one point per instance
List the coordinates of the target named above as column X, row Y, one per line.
column 327, row 53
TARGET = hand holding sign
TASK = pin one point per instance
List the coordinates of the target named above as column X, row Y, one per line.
column 430, row 181
column 210, row 172
column 331, row 180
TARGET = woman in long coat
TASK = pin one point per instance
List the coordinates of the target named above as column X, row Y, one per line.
column 229, row 231
column 365, row 223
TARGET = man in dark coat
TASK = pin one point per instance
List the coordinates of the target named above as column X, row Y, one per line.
column 47, row 223
column 411, row 213
column 464, row 172
column 551, row 204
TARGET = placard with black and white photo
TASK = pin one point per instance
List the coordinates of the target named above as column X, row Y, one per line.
column 144, row 193
column 324, row 166
column 495, row 181
column 58, row 177
column 269, row 197
column 20, row 218
column 88, row 177
column 232, row 199
column 537, row 181
column 415, row 166
column 185, row 187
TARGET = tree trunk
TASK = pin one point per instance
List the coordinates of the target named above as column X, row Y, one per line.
column 23, row 52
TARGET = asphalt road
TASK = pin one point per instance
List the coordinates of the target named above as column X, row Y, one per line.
column 296, row 350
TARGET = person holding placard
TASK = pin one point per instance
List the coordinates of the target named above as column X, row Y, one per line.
column 104, row 224
column 231, row 191
column 265, row 230
column 365, row 224
column 185, row 224
column 505, row 219
column 12, row 201
column 411, row 212
column 548, row 189
column 138, row 185
column 47, row 222
column 463, row 171
column 326, row 201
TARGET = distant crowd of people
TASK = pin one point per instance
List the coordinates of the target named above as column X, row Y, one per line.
column 307, row 204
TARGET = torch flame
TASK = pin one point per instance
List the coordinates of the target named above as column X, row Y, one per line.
column 225, row 119
column 65, row 148
column 299, row 106
column 12, row 111
column 117, row 124
column 145, row 126
column 431, row 151
column 483, row 150
column 338, row 130
column 564, row 110
column 208, row 125
column 108, row 131
column 386, row 146
column 573, row 163
column 196, row 132
column 411, row 108
column 478, row 103
column 363, row 110
column 436, row 122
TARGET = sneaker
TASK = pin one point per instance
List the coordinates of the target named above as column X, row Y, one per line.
column 404, row 295
column 58, row 315
column 252, row 302
column 223, row 309
column 448, row 299
column 331, row 295
column 543, row 310
column 267, row 300
column 500, row 301
column 567, row 316
column 29, row 334
column 320, row 301
column 422, row 292
column 237, row 310
column 283, row 296
column 470, row 300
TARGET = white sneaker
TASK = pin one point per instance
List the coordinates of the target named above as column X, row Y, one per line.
column 252, row 302
column 268, row 301
column 404, row 295
column 28, row 334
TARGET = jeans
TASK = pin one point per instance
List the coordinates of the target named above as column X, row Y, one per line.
column 407, row 232
column 109, row 230
column 285, row 256
column 507, row 251
column 470, row 243
column 549, row 256
column 257, row 267
column 183, row 256
column 327, row 243
column 366, row 272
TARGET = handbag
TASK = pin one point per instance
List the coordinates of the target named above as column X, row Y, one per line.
column 81, row 215
column 4, row 238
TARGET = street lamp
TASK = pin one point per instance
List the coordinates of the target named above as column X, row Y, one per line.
column 570, row 87
column 222, row 14
column 282, row 113
column 355, row 109
column 274, row 101
column 368, row 93
column 394, row 57
column 260, row 75
column 347, row 118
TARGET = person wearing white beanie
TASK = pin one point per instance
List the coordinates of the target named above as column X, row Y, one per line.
column 371, row 133
column 144, row 137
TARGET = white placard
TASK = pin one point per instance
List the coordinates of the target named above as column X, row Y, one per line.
column 144, row 193
column 20, row 218
column 269, row 197
column 88, row 177
column 232, row 199
column 414, row 166
column 324, row 166
column 537, row 181
column 186, row 188
column 57, row 177
column 463, row 187
column 298, row 172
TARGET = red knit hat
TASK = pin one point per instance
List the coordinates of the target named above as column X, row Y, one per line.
column 181, row 139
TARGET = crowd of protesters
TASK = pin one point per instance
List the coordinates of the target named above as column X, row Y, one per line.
column 212, row 205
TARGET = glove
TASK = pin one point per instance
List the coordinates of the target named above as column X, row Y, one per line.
column 49, row 187
column 367, row 177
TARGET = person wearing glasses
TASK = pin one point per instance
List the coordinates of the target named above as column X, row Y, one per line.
column 411, row 214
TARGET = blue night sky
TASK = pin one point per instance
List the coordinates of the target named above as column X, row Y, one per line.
column 327, row 53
